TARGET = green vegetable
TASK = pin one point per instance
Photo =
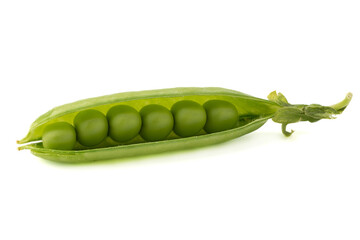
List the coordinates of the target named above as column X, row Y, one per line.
column 189, row 116
column 91, row 127
column 228, row 115
column 124, row 123
column 59, row 135
column 157, row 122
column 221, row 116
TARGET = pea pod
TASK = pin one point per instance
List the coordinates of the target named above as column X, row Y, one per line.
column 252, row 114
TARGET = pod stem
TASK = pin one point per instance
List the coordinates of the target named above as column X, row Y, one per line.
column 284, row 131
column 340, row 107
column 289, row 113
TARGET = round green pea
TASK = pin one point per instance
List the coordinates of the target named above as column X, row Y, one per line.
column 59, row 135
column 157, row 122
column 124, row 123
column 91, row 127
column 189, row 117
column 221, row 115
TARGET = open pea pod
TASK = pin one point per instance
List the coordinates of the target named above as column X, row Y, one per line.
column 252, row 114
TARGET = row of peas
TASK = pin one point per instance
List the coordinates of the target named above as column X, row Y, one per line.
column 153, row 123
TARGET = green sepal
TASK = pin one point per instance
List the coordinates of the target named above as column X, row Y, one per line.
column 288, row 115
column 317, row 111
column 278, row 98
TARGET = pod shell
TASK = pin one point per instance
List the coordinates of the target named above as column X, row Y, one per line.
column 244, row 103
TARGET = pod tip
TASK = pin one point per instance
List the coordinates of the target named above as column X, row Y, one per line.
column 349, row 95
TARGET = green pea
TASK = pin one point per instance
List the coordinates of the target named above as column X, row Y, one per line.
column 157, row 122
column 124, row 123
column 189, row 117
column 59, row 135
column 221, row 115
column 91, row 127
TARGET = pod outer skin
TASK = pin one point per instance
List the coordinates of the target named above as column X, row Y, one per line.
column 244, row 103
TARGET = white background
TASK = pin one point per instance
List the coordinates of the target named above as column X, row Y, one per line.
column 260, row 186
